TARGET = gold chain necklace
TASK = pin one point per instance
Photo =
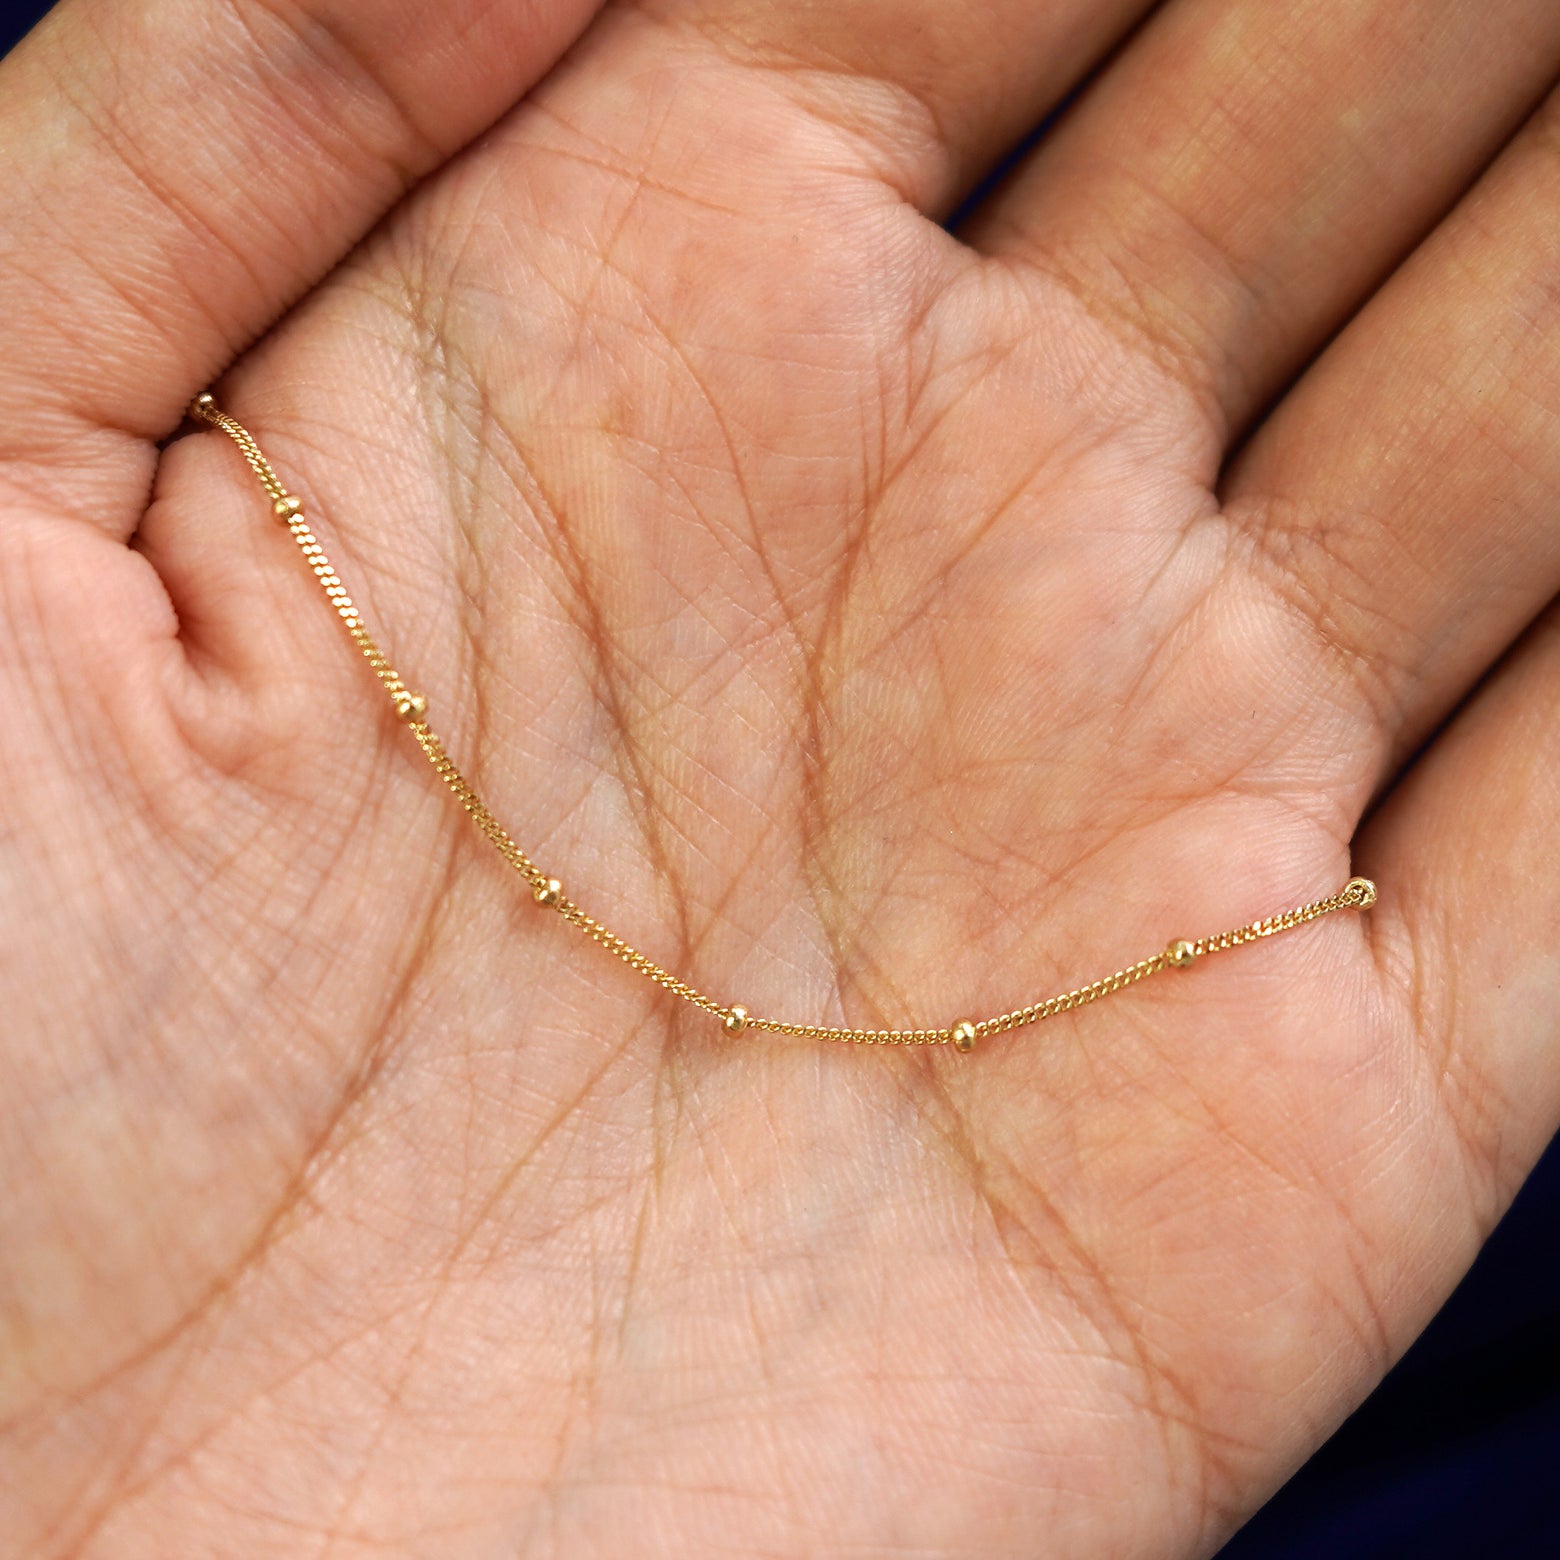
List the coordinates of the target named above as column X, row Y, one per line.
column 1357, row 893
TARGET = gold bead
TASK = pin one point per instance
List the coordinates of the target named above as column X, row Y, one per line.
column 411, row 707
column 735, row 1019
column 203, row 403
column 288, row 505
column 1181, row 954
column 549, row 893
column 964, row 1036
column 1362, row 891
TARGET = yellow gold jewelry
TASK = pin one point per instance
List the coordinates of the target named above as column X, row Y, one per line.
column 412, row 707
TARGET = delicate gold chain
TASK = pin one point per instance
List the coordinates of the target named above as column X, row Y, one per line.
column 1357, row 893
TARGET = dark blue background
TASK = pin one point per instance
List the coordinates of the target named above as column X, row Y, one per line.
column 1455, row 1456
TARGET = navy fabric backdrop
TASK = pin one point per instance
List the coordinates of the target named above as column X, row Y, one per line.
column 1455, row 1456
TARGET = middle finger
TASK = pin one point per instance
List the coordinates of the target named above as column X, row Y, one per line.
column 939, row 89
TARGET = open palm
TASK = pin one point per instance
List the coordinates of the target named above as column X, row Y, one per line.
column 875, row 624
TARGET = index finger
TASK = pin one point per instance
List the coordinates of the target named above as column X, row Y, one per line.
column 174, row 173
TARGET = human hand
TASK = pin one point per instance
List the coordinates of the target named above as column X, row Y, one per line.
column 876, row 625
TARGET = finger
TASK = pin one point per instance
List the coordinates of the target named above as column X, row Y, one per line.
column 938, row 91
column 1245, row 174
column 1469, row 928
column 1403, row 498
column 174, row 172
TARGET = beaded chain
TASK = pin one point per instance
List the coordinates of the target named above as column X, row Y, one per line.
column 412, row 707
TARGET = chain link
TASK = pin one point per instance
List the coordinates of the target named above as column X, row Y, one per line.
column 1357, row 893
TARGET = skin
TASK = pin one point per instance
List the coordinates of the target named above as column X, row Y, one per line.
column 878, row 623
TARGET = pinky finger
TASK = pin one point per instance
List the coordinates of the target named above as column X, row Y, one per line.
column 1469, row 921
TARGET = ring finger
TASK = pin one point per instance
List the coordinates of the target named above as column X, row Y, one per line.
column 1244, row 176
